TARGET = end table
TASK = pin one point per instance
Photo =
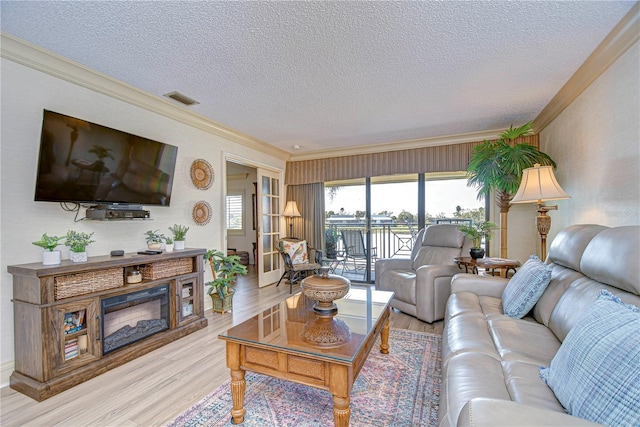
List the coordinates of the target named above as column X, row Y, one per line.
column 489, row 264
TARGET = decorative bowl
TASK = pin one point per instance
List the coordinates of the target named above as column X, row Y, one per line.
column 324, row 289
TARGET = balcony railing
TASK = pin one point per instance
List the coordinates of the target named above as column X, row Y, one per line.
column 390, row 240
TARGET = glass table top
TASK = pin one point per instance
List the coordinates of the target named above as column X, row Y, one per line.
column 289, row 325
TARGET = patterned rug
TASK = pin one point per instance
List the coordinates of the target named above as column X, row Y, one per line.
column 398, row 389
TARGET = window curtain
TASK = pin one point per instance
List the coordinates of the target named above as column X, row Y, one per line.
column 442, row 158
column 310, row 201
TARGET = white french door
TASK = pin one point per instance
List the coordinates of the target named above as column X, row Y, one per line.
column 268, row 189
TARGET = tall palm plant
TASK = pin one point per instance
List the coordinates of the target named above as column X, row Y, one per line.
column 498, row 165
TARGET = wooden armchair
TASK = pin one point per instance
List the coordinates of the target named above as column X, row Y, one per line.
column 299, row 259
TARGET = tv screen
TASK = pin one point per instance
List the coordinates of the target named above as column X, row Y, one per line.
column 84, row 162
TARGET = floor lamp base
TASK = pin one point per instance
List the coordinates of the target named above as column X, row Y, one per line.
column 543, row 222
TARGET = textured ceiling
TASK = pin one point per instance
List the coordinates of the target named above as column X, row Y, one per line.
column 322, row 74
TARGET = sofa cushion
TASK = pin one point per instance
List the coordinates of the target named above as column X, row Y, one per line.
column 621, row 268
column 463, row 383
column 441, row 243
column 434, row 255
column 569, row 244
column 524, row 385
column 525, row 287
column 443, row 235
column 523, row 340
column 561, row 279
column 596, row 372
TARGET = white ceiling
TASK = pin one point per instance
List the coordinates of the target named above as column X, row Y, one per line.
column 326, row 74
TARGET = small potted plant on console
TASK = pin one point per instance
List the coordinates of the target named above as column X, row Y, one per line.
column 50, row 256
column 476, row 231
column 154, row 239
column 168, row 244
column 225, row 270
column 78, row 242
column 179, row 235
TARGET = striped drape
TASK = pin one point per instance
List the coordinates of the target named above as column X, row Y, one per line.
column 310, row 201
column 442, row 158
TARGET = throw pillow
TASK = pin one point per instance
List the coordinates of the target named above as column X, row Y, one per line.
column 596, row 372
column 297, row 251
column 525, row 287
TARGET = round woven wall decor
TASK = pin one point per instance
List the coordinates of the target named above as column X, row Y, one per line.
column 201, row 212
column 202, row 174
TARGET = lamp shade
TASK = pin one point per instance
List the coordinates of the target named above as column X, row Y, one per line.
column 291, row 209
column 539, row 184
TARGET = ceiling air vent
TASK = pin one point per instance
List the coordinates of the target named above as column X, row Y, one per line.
column 184, row 99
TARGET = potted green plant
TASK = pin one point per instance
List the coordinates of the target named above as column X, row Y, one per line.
column 154, row 239
column 179, row 235
column 77, row 243
column 331, row 242
column 168, row 244
column 225, row 270
column 476, row 231
column 498, row 165
column 49, row 243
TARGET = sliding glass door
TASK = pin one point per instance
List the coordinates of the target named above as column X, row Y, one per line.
column 369, row 219
column 373, row 218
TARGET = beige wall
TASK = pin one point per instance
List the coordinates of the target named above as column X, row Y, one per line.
column 25, row 93
column 596, row 144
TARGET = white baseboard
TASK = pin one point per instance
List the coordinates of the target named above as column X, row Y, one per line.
column 6, row 369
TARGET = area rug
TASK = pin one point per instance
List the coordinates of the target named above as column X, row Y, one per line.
column 401, row 388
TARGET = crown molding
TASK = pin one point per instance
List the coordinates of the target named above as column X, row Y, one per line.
column 407, row 144
column 37, row 58
column 618, row 41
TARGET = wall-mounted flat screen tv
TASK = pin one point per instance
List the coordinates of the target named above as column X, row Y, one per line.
column 84, row 162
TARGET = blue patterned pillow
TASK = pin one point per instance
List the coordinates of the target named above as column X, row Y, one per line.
column 596, row 372
column 525, row 287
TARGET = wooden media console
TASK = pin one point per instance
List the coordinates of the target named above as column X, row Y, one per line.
column 74, row 321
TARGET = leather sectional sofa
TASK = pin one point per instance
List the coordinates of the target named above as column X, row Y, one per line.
column 491, row 362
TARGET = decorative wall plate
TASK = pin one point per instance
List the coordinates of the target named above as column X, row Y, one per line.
column 201, row 212
column 202, row 174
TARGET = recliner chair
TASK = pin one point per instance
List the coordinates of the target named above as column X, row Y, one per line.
column 422, row 284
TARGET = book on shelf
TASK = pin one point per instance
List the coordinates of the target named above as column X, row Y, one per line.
column 74, row 321
column 72, row 330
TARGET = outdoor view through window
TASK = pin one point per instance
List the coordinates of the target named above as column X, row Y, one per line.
column 394, row 217
column 450, row 198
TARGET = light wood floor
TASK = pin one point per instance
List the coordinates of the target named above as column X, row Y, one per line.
column 155, row 388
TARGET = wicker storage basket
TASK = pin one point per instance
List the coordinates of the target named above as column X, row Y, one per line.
column 86, row 283
column 167, row 268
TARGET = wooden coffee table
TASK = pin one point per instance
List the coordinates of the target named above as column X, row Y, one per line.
column 272, row 343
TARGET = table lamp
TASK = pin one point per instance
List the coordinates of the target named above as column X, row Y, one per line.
column 291, row 211
column 539, row 184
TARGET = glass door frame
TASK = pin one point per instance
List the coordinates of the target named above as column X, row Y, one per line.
column 261, row 169
column 367, row 235
column 270, row 272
